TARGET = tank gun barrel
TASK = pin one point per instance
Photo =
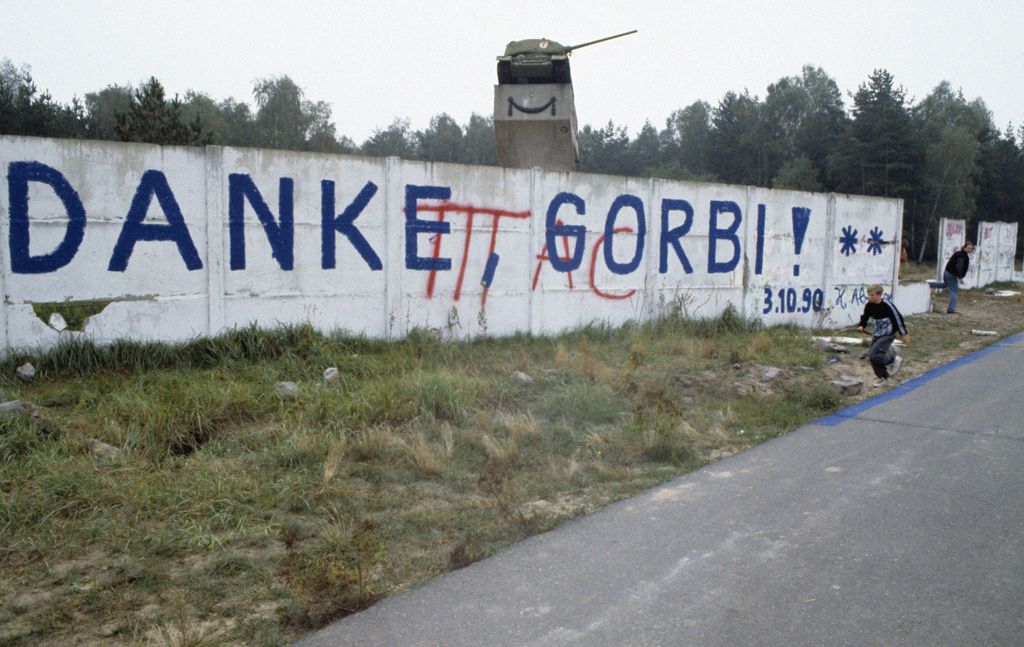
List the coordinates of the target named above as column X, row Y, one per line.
column 572, row 48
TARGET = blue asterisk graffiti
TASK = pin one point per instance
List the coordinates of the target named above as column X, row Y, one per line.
column 849, row 240
column 875, row 241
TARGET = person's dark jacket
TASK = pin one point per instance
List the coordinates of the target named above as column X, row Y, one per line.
column 887, row 317
column 958, row 264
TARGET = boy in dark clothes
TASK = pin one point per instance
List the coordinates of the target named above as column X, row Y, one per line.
column 956, row 270
column 888, row 322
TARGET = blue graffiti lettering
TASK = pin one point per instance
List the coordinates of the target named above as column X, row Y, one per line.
column 414, row 226
column 848, row 241
column 715, row 234
column 280, row 235
column 859, row 296
column 345, row 224
column 637, row 205
column 153, row 183
column 801, row 218
column 759, row 247
column 790, row 301
column 553, row 230
column 875, row 241
column 840, row 300
column 489, row 269
column 672, row 236
column 19, row 174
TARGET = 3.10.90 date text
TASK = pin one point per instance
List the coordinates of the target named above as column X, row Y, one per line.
column 788, row 300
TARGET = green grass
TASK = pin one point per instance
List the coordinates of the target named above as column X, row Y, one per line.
column 235, row 515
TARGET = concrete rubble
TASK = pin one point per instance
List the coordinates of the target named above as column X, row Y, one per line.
column 57, row 322
column 286, row 388
column 332, row 378
column 848, row 385
column 101, row 448
column 26, row 372
column 522, row 378
column 14, row 406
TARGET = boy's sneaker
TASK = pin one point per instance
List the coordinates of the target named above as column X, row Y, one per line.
column 894, row 366
column 882, row 381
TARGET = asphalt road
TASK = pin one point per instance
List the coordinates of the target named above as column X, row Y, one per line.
column 899, row 521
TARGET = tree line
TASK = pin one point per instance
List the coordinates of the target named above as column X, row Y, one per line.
column 943, row 155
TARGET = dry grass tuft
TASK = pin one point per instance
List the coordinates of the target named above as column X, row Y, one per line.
column 447, row 441
column 563, row 358
column 684, row 348
column 598, row 371
column 706, row 347
column 498, row 452
column 419, row 453
column 595, row 443
column 518, row 426
column 563, row 469
column 760, row 344
column 610, row 472
column 375, row 444
column 336, row 452
column 181, row 631
column 703, row 441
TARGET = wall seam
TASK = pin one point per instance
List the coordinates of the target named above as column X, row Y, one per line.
column 214, row 162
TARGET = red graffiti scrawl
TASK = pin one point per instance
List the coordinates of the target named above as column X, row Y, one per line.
column 593, row 266
column 543, row 256
column 470, row 212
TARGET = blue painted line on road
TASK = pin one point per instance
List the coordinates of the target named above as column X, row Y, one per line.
column 855, row 410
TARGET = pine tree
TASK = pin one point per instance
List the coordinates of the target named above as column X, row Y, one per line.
column 153, row 119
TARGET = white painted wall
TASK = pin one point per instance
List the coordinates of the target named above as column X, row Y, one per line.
column 994, row 256
column 783, row 256
column 952, row 237
column 994, row 259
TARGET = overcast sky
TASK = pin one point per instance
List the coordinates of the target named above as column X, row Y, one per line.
column 377, row 60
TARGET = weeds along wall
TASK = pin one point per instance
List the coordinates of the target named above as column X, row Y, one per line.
column 169, row 243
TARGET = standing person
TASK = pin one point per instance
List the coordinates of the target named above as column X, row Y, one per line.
column 888, row 322
column 956, row 270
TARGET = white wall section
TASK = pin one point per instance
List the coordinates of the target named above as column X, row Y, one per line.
column 173, row 243
column 994, row 256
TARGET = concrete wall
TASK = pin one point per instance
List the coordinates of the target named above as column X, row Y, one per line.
column 171, row 243
column 952, row 236
column 535, row 125
column 996, row 252
column 994, row 256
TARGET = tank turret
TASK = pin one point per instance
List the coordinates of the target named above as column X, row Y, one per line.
column 539, row 60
